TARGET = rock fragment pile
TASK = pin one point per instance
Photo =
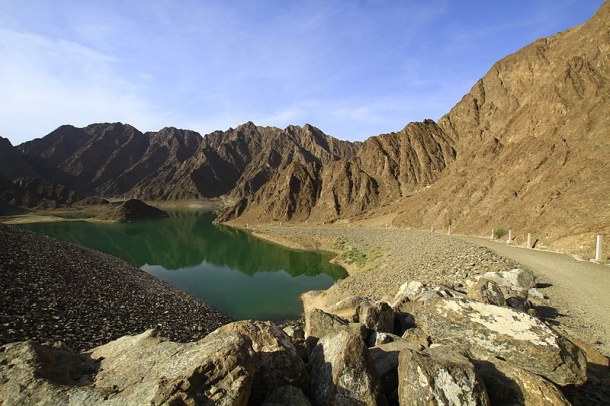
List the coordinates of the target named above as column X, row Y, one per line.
column 431, row 346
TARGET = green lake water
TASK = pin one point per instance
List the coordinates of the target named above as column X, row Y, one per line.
column 228, row 268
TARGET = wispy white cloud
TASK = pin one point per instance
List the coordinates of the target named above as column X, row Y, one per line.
column 49, row 82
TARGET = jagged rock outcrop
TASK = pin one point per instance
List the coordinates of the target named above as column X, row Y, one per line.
column 132, row 210
column 472, row 353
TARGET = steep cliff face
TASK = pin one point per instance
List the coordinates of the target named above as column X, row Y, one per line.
column 532, row 145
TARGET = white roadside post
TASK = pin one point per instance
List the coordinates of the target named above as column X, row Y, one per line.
column 510, row 237
column 529, row 240
column 598, row 248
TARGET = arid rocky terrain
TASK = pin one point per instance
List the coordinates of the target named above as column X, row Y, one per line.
column 526, row 149
column 423, row 343
column 423, row 318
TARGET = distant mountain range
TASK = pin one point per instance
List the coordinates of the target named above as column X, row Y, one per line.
column 527, row 148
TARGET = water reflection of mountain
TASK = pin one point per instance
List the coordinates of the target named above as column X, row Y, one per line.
column 186, row 239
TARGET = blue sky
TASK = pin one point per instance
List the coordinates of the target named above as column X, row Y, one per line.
column 352, row 68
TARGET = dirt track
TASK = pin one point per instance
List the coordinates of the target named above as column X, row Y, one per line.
column 580, row 290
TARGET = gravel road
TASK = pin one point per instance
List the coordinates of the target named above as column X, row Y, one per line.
column 579, row 290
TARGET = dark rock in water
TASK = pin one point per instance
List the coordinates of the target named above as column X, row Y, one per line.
column 133, row 210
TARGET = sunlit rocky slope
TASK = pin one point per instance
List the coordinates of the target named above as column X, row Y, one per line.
column 527, row 149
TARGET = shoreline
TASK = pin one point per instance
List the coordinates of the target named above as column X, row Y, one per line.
column 84, row 298
column 90, row 213
column 378, row 260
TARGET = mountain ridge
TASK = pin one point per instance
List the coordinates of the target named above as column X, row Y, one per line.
column 526, row 148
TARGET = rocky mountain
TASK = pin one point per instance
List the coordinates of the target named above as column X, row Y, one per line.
column 109, row 159
column 37, row 193
column 525, row 149
column 118, row 160
column 13, row 165
column 532, row 146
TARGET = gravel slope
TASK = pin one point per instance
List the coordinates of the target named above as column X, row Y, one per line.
column 394, row 256
column 54, row 291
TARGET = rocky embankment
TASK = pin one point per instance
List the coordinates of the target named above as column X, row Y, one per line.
column 425, row 346
column 53, row 291
column 470, row 335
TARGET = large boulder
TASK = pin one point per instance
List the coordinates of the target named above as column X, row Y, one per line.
column 407, row 292
column 509, row 385
column 279, row 363
column 146, row 369
column 133, row 370
column 514, row 336
column 319, row 324
column 342, row 372
column 426, row 379
column 385, row 359
column 374, row 315
column 487, row 291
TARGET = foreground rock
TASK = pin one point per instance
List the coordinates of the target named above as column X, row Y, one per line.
column 508, row 385
column 448, row 380
column 279, row 365
column 133, row 210
column 515, row 336
column 343, row 372
column 137, row 370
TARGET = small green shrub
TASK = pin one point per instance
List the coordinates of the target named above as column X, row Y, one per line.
column 354, row 256
column 499, row 232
